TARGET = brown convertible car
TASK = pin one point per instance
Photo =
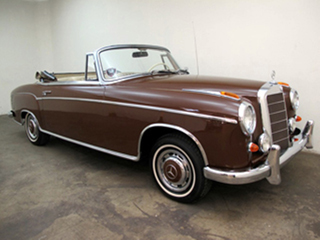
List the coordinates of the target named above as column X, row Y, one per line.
column 135, row 102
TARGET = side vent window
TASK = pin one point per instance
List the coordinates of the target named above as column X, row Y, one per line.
column 91, row 71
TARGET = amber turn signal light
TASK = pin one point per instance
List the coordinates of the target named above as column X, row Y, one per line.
column 297, row 118
column 229, row 94
column 253, row 147
column 284, row 84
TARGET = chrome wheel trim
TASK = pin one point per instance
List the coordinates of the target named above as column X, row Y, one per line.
column 32, row 129
column 174, row 171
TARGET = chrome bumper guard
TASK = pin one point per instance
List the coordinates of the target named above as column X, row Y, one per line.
column 270, row 169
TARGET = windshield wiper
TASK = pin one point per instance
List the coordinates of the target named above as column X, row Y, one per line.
column 185, row 71
column 179, row 71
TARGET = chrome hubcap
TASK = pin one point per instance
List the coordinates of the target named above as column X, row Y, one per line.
column 32, row 129
column 173, row 169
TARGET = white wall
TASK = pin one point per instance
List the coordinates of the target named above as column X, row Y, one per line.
column 24, row 38
column 237, row 38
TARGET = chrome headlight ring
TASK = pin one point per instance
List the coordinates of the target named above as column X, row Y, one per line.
column 294, row 98
column 247, row 118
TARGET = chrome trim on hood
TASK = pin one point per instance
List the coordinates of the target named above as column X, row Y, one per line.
column 212, row 93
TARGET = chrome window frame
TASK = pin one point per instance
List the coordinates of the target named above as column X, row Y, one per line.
column 99, row 67
column 87, row 66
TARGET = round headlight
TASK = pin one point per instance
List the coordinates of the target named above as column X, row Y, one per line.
column 247, row 118
column 264, row 142
column 294, row 98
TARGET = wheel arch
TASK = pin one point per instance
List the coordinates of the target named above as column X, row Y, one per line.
column 24, row 113
column 153, row 132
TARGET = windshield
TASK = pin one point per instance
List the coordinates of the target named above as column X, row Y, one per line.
column 129, row 62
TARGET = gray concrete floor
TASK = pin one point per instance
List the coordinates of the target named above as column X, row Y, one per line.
column 64, row 191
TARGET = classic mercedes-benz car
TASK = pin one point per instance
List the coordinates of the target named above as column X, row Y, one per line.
column 135, row 102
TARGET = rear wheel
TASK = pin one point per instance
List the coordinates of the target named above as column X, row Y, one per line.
column 33, row 132
column 177, row 167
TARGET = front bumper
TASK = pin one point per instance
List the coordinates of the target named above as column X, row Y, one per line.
column 270, row 169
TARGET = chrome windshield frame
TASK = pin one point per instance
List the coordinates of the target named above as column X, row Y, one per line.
column 99, row 67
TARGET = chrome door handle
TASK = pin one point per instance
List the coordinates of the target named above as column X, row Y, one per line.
column 45, row 93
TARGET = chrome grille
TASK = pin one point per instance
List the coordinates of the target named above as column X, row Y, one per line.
column 278, row 120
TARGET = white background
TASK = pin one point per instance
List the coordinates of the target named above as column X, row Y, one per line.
column 235, row 38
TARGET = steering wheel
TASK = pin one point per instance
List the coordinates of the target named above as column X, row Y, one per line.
column 158, row 64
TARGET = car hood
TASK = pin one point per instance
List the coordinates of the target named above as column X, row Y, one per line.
column 200, row 94
column 204, row 85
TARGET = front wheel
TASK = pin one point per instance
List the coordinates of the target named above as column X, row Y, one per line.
column 177, row 168
column 33, row 132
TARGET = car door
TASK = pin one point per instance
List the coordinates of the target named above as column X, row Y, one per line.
column 74, row 110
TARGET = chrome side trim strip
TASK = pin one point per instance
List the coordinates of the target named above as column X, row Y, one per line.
column 104, row 150
column 19, row 123
column 168, row 110
column 66, row 83
column 28, row 93
column 123, row 155
column 180, row 129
